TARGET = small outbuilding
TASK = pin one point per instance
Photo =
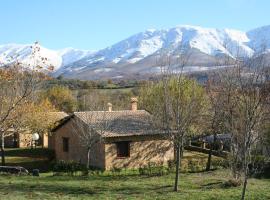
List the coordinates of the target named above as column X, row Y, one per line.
column 22, row 138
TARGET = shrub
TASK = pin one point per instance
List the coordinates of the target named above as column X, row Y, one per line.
column 152, row 169
column 260, row 166
column 171, row 165
column 116, row 170
column 196, row 165
column 220, row 163
column 67, row 167
column 232, row 183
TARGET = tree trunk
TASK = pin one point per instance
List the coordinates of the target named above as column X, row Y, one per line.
column 246, row 172
column 177, row 167
column 88, row 158
column 209, row 160
column 3, row 150
column 245, row 183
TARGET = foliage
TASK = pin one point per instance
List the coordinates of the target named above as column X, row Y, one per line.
column 119, row 98
column 153, row 169
column 232, row 183
column 198, row 164
column 182, row 95
column 75, row 84
column 61, row 98
column 38, row 117
column 177, row 105
column 68, row 167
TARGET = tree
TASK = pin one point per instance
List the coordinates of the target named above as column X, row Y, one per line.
column 245, row 112
column 177, row 104
column 18, row 81
column 214, row 119
column 61, row 98
column 38, row 117
column 89, row 126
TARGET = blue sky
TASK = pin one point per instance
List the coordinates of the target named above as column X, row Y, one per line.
column 96, row 24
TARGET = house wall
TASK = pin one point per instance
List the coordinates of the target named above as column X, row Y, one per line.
column 9, row 141
column 77, row 152
column 45, row 140
column 25, row 140
column 51, row 141
column 142, row 151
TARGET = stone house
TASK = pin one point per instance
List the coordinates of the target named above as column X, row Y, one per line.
column 123, row 139
column 22, row 138
column 18, row 139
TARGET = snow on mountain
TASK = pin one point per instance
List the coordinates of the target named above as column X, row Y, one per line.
column 138, row 53
column 212, row 42
column 259, row 38
column 70, row 55
column 16, row 52
column 23, row 53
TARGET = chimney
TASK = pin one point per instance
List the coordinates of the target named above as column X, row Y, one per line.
column 109, row 107
column 134, row 102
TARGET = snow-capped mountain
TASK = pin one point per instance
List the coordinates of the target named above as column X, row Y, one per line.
column 139, row 53
column 24, row 53
column 71, row 55
column 259, row 38
column 208, row 41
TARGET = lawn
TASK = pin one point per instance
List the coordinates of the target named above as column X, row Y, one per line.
column 38, row 158
column 201, row 185
column 207, row 185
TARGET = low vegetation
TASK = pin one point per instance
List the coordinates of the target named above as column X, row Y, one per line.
column 204, row 185
column 30, row 159
column 151, row 182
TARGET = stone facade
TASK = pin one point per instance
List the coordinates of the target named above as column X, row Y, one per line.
column 76, row 152
column 23, row 139
column 142, row 151
column 18, row 140
column 128, row 139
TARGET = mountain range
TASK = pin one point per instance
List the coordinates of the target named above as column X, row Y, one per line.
column 140, row 54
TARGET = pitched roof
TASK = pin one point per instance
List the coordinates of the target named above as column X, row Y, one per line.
column 58, row 115
column 56, row 118
column 119, row 123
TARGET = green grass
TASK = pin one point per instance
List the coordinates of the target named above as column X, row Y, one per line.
column 207, row 185
column 203, row 185
column 38, row 158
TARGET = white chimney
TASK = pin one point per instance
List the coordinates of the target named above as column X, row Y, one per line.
column 134, row 102
column 109, row 107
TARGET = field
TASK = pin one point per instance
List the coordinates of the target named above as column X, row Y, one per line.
column 201, row 185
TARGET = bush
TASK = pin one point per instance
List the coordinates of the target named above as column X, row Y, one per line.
column 68, row 167
column 116, row 170
column 220, row 163
column 171, row 165
column 152, row 169
column 232, row 183
column 260, row 166
column 194, row 165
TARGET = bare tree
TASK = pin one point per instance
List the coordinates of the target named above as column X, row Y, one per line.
column 243, row 87
column 90, row 126
column 215, row 115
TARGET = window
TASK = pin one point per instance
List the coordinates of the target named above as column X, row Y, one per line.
column 65, row 144
column 122, row 149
